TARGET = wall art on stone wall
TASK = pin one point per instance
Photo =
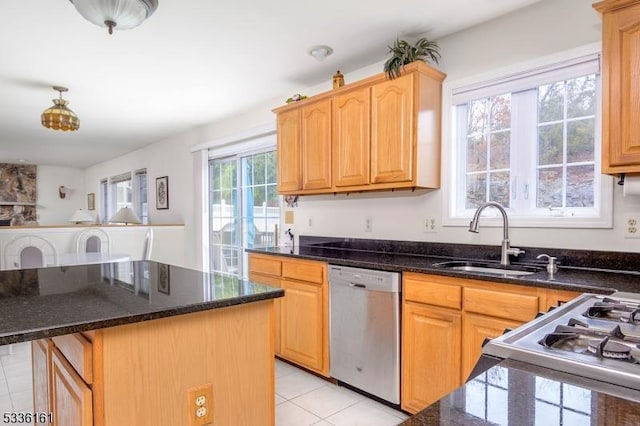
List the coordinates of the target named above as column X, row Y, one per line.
column 18, row 194
column 17, row 183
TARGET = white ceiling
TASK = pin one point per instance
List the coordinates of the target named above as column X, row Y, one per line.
column 193, row 62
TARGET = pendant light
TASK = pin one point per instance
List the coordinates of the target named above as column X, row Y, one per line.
column 118, row 14
column 59, row 117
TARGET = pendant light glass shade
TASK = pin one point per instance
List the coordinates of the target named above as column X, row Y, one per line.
column 118, row 14
column 59, row 117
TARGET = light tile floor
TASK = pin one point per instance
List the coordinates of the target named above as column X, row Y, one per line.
column 15, row 379
column 301, row 398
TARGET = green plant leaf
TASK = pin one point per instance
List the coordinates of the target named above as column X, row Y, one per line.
column 402, row 53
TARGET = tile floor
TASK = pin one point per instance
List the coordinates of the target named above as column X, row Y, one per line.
column 15, row 379
column 301, row 398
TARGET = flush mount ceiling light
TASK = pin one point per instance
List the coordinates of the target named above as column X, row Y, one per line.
column 320, row 52
column 59, row 117
column 118, row 14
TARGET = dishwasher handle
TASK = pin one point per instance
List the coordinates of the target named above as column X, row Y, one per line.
column 357, row 285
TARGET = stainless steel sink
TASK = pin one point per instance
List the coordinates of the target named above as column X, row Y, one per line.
column 490, row 268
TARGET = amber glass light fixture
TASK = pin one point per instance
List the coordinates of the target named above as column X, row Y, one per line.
column 59, row 117
column 116, row 14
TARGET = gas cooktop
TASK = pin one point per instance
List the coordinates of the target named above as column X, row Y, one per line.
column 592, row 336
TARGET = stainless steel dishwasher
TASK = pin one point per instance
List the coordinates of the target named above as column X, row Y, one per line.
column 365, row 330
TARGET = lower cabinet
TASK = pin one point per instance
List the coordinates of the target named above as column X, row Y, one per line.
column 57, row 387
column 445, row 323
column 430, row 354
column 145, row 373
column 475, row 329
column 302, row 339
column 302, row 315
column 71, row 397
column 41, row 352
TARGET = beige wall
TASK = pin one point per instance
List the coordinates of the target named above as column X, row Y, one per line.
column 542, row 29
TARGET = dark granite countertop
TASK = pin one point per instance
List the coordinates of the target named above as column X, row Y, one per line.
column 37, row 303
column 514, row 393
column 580, row 271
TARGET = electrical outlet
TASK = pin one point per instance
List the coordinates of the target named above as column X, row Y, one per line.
column 368, row 224
column 430, row 225
column 310, row 222
column 200, row 405
column 631, row 227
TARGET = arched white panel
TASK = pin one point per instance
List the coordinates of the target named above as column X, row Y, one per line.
column 84, row 236
column 14, row 248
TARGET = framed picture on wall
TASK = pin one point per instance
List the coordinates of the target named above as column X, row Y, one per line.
column 164, row 279
column 162, row 193
column 91, row 201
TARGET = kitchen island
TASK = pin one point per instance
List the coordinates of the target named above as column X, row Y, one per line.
column 138, row 346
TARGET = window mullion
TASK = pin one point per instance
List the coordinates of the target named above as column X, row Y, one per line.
column 524, row 147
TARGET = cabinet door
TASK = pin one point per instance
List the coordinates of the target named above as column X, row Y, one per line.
column 476, row 328
column 351, row 138
column 616, row 411
column 289, row 174
column 41, row 365
column 274, row 282
column 71, row 398
column 621, row 90
column 392, row 130
column 303, row 324
column 431, row 339
column 555, row 298
column 316, row 145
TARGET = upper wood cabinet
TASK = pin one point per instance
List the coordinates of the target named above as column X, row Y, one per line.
column 316, row 145
column 380, row 134
column 392, row 141
column 351, row 138
column 620, row 85
column 289, row 170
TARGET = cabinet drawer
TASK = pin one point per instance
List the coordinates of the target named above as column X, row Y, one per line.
column 78, row 351
column 264, row 279
column 304, row 271
column 268, row 265
column 432, row 293
column 519, row 307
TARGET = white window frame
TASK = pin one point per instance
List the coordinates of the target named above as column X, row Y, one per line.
column 261, row 143
column 133, row 178
column 453, row 157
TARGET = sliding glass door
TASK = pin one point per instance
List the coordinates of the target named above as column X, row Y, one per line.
column 244, row 209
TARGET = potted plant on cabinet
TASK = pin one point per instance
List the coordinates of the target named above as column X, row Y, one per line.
column 403, row 53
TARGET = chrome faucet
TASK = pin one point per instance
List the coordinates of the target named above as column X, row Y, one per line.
column 506, row 245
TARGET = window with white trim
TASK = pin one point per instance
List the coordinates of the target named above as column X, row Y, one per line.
column 531, row 142
column 125, row 191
